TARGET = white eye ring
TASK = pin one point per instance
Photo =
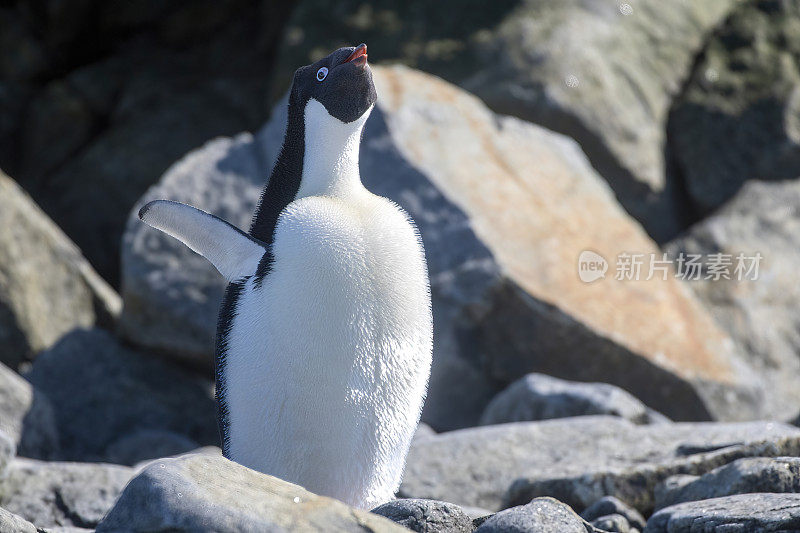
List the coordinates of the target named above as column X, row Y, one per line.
column 322, row 73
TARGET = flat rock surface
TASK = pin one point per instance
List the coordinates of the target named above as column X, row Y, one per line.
column 752, row 474
column 579, row 460
column 744, row 512
column 61, row 494
column 193, row 493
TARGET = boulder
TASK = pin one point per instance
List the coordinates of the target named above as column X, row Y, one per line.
column 192, row 493
column 7, row 451
column 171, row 294
column 752, row 474
column 609, row 506
column 738, row 118
column 541, row 515
column 61, row 494
column 761, row 314
column 26, row 416
column 505, row 209
column 604, row 73
column 11, row 523
column 114, row 391
column 541, row 397
column 579, row 460
column 742, row 512
column 426, row 516
column 47, row 288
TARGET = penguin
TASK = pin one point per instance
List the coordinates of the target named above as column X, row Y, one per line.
column 325, row 332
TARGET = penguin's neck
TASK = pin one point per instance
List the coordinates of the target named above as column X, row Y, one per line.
column 330, row 159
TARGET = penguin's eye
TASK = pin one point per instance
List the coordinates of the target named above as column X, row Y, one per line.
column 322, row 73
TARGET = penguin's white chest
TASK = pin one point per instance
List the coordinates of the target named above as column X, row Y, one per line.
column 328, row 357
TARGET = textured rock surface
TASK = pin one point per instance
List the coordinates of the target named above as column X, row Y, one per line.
column 489, row 194
column 611, row 506
column 744, row 512
column 755, row 474
column 26, row 416
column 113, row 391
column 192, row 493
column 760, row 315
column 542, row 515
column 605, row 74
column 541, row 397
column 426, row 516
column 739, row 117
column 61, row 494
column 46, row 287
column 7, row 450
column 11, row 523
column 579, row 460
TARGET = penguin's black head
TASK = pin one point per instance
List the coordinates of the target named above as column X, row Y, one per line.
column 342, row 82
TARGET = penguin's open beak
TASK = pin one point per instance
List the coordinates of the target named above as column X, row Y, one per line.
column 359, row 55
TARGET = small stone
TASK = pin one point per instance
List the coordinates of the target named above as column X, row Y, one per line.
column 541, row 515
column 609, row 506
column 426, row 516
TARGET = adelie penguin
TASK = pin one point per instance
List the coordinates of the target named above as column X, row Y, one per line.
column 325, row 332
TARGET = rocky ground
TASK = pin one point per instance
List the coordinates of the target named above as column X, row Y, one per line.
column 555, row 405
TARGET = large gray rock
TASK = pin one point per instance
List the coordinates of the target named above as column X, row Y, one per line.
column 541, row 397
column 47, row 288
column 753, row 474
column 761, row 315
column 11, row 523
column 26, row 416
column 113, row 391
column 604, row 73
column 743, row 512
column 739, row 116
column 541, row 515
column 7, row 451
column 61, row 494
column 579, row 460
column 505, row 295
column 193, row 493
column 426, row 516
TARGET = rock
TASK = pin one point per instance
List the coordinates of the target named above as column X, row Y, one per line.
column 46, row 287
column 424, row 431
column 145, row 444
column 605, row 75
column 613, row 522
column 742, row 512
column 579, row 460
column 115, row 391
column 7, row 451
column 61, row 494
column 738, row 117
column 192, row 493
column 11, row 523
column 541, row 515
column 426, row 516
column 760, row 315
column 505, row 294
column 611, row 506
column 26, row 416
column 171, row 294
column 753, row 474
column 541, row 397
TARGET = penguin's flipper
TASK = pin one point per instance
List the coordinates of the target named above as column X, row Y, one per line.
column 234, row 253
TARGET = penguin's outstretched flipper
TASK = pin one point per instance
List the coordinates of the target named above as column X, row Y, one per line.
column 233, row 252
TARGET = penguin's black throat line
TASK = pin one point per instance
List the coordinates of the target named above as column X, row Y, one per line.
column 342, row 83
